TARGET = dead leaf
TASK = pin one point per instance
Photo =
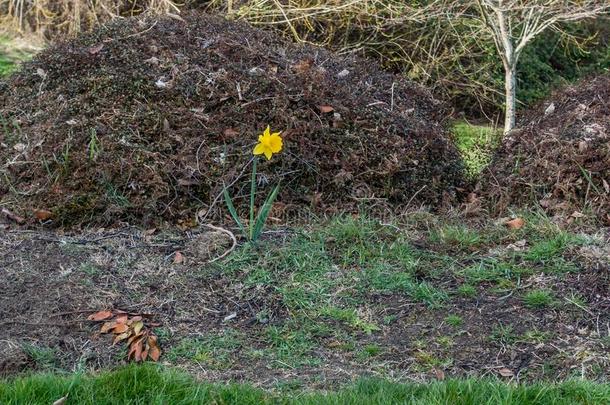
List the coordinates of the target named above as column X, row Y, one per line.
column 100, row 316
column 121, row 319
column 606, row 186
column 178, row 258
column 107, row 326
column 302, row 66
column 516, row 223
column 440, row 374
column 154, row 352
column 135, row 351
column 134, row 337
column 43, row 215
column 230, row 132
column 506, row 372
column 137, row 327
column 325, row 108
column 577, row 214
column 120, row 328
column 120, row 337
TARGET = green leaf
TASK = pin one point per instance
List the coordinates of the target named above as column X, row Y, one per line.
column 233, row 211
column 264, row 213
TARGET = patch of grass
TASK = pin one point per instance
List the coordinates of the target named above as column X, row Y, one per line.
column 476, row 144
column 503, row 334
column 454, row 320
column 494, row 270
column 368, row 352
column 535, row 336
column 549, row 249
column 428, row 360
column 45, row 358
column 292, row 344
column 467, row 291
column 538, row 299
column 152, row 384
column 214, row 350
column 457, row 235
column 350, row 316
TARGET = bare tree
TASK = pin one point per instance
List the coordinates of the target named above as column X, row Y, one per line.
column 515, row 23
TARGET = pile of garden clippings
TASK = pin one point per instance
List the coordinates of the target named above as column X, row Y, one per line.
column 146, row 120
column 560, row 158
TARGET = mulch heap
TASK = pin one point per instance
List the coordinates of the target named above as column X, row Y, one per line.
column 560, row 158
column 145, row 120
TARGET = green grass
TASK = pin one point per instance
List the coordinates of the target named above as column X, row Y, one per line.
column 454, row 320
column 11, row 55
column 538, row 299
column 213, row 351
column 476, row 144
column 155, row 385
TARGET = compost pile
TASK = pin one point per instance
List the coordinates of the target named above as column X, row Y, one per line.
column 146, row 120
column 561, row 157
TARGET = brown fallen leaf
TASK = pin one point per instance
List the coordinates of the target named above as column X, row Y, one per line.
column 100, row 316
column 178, row 258
column 134, row 337
column 122, row 319
column 107, row 326
column 120, row 328
column 506, row 372
column 230, row 133
column 120, row 337
column 516, row 223
column 43, row 215
column 302, row 66
column 135, row 352
column 325, row 108
column 440, row 374
column 154, row 352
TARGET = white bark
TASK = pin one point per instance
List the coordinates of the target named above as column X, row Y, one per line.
column 515, row 23
column 510, row 109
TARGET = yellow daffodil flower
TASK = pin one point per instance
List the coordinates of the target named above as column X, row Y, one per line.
column 268, row 143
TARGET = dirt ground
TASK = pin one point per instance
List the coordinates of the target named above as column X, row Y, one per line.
column 212, row 320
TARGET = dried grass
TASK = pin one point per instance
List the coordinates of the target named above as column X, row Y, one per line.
column 69, row 17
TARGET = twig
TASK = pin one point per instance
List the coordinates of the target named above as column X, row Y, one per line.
column 227, row 232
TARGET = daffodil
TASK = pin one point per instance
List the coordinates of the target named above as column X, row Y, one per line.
column 269, row 143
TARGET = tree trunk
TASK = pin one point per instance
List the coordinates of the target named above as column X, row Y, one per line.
column 510, row 85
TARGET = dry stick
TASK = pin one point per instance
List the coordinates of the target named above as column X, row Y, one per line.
column 231, row 235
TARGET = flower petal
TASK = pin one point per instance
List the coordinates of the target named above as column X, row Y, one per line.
column 259, row 149
column 267, row 131
column 268, row 154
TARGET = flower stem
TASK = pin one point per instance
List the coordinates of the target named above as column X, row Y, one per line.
column 252, row 195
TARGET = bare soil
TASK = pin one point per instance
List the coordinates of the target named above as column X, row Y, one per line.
column 52, row 281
